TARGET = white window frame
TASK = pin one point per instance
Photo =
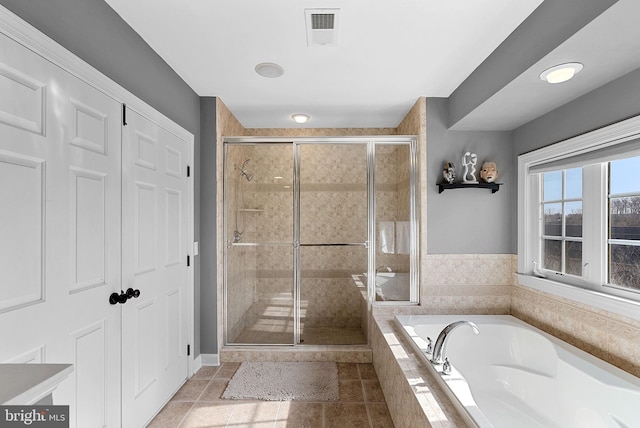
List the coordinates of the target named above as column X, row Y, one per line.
column 588, row 289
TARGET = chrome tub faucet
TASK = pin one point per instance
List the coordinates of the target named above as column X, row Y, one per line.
column 438, row 356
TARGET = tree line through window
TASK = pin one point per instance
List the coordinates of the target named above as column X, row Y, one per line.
column 562, row 232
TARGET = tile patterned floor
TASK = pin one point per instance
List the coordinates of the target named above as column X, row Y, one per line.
column 198, row 404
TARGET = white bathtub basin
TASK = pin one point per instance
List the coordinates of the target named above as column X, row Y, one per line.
column 513, row 375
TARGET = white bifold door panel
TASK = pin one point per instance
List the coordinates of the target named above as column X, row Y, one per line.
column 90, row 207
column 60, row 201
column 154, row 250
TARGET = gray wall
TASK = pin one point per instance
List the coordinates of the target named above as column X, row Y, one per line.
column 94, row 32
column 467, row 221
column 613, row 102
column 208, row 299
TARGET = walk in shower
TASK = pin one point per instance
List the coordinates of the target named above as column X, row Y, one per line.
column 307, row 222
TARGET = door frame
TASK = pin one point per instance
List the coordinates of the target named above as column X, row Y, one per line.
column 33, row 39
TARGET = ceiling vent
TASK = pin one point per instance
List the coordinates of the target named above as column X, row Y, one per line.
column 322, row 26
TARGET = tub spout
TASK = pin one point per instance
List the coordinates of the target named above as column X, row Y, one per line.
column 441, row 342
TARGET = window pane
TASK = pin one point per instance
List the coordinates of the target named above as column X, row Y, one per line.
column 573, row 258
column 624, row 266
column 624, row 218
column 552, row 219
column 552, row 254
column 552, row 186
column 573, row 183
column 573, row 219
column 623, row 176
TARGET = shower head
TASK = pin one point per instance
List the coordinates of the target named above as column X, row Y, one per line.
column 248, row 176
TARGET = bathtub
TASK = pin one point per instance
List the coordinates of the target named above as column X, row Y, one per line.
column 514, row 375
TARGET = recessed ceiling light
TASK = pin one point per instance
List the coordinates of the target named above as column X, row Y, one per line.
column 561, row 73
column 300, row 117
column 269, row 69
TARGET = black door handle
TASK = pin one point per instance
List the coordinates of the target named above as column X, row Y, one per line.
column 133, row 293
column 114, row 298
column 122, row 298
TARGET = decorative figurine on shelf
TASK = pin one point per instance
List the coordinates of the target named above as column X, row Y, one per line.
column 449, row 172
column 489, row 172
column 469, row 160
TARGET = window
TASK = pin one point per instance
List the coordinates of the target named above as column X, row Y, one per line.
column 562, row 216
column 579, row 218
column 624, row 223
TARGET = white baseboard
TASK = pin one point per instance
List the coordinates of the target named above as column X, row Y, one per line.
column 196, row 365
column 209, row 359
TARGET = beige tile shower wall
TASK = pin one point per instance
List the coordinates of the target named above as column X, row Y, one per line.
column 333, row 209
column 226, row 124
column 402, row 182
column 241, row 280
column 241, row 266
column 415, row 123
column 612, row 338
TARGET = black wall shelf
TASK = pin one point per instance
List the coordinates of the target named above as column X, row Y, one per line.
column 493, row 186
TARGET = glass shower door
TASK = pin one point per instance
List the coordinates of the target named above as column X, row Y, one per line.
column 332, row 235
column 259, row 259
column 394, row 223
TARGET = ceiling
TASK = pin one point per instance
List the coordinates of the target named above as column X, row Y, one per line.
column 387, row 55
column 609, row 47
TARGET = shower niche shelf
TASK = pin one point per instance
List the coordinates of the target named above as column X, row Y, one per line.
column 494, row 187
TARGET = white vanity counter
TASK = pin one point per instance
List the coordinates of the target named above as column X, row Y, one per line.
column 24, row 384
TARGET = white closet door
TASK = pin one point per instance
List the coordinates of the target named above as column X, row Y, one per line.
column 154, row 261
column 60, row 230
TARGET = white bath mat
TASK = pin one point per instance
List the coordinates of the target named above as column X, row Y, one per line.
column 284, row 381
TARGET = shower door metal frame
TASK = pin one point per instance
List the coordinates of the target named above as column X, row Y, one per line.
column 370, row 244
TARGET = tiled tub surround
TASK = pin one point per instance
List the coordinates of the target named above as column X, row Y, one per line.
column 413, row 396
column 610, row 337
column 485, row 284
column 455, row 284
column 509, row 374
column 467, row 283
